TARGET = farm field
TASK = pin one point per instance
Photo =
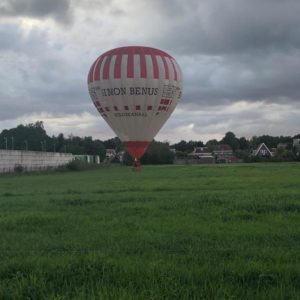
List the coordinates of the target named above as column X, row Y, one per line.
column 168, row 232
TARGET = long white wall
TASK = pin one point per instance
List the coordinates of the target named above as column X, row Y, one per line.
column 32, row 160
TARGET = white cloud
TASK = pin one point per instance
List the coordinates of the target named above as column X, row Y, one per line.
column 243, row 118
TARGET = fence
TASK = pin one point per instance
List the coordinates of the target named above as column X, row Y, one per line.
column 31, row 160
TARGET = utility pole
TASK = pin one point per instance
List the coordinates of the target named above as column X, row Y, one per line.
column 26, row 145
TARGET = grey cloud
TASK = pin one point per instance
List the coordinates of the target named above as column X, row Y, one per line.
column 232, row 50
column 57, row 9
column 271, row 78
column 36, row 76
column 31, row 44
column 101, row 6
column 171, row 9
column 229, row 51
column 220, row 27
column 10, row 36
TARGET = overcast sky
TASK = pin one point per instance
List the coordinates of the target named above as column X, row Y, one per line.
column 240, row 60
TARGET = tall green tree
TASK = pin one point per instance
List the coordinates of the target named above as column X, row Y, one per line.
column 211, row 143
column 158, row 153
column 32, row 136
column 231, row 140
column 244, row 144
column 187, row 147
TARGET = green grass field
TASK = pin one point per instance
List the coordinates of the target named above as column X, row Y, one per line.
column 169, row 232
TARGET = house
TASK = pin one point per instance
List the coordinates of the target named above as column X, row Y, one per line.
column 120, row 156
column 282, row 145
column 200, row 152
column 296, row 145
column 274, row 150
column 223, row 153
column 203, row 155
column 110, row 153
column 262, row 151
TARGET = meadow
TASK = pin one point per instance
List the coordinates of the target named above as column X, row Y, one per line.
column 168, row 232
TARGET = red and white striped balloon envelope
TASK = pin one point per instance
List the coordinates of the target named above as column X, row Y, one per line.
column 135, row 89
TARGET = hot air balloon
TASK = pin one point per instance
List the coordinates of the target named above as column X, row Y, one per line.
column 135, row 89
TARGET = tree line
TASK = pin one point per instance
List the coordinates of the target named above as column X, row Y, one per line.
column 242, row 147
column 34, row 137
column 238, row 143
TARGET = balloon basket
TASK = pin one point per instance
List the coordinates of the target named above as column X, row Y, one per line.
column 136, row 166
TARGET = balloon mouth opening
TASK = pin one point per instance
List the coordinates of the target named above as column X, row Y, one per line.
column 136, row 149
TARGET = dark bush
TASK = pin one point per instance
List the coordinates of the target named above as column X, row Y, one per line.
column 78, row 165
column 18, row 169
column 158, row 153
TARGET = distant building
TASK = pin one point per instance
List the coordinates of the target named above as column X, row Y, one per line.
column 120, row 156
column 296, row 146
column 110, row 153
column 200, row 152
column 262, row 151
column 223, row 153
column 203, row 155
column 296, row 143
column 274, row 150
column 282, row 145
